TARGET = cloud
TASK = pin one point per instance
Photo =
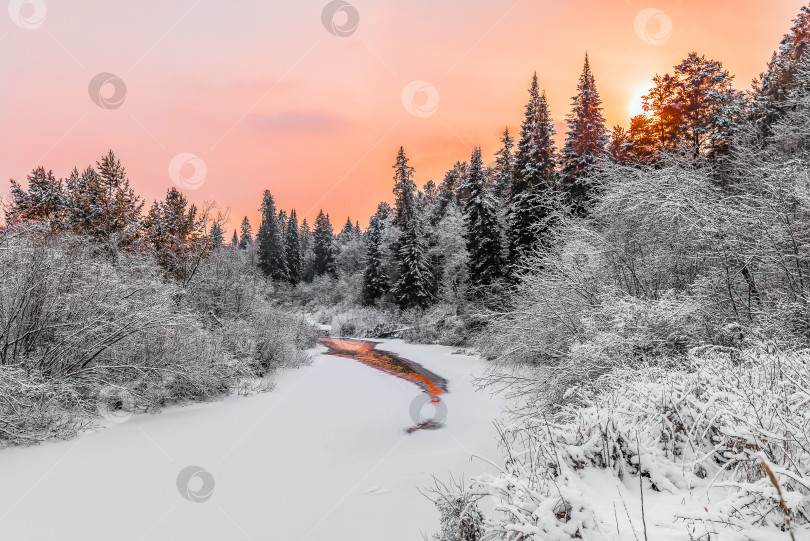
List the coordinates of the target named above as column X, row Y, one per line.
column 298, row 122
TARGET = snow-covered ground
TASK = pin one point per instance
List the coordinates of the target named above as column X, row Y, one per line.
column 323, row 457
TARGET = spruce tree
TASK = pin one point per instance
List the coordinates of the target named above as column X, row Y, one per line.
column 504, row 166
column 235, row 239
column 404, row 190
column 586, row 140
column 482, row 234
column 534, row 176
column 412, row 289
column 307, row 252
column 347, row 233
column 323, row 246
column 375, row 276
column 292, row 244
column 246, row 234
column 773, row 88
column 282, row 223
column 272, row 260
column 217, row 235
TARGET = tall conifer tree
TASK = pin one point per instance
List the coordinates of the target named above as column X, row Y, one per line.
column 323, row 246
column 272, row 260
column 482, row 235
column 586, row 140
column 292, row 244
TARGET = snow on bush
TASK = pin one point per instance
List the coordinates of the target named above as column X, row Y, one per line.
column 703, row 440
column 79, row 321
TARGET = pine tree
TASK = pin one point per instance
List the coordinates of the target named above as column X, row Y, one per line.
column 482, row 235
column 704, row 93
column 662, row 105
column 534, row 176
column 504, row 166
column 375, row 275
column 43, row 200
column 292, row 244
column 217, row 235
column 323, row 246
column 586, row 140
column 119, row 208
column 246, row 234
column 272, row 261
column 404, row 190
column 412, row 289
column 175, row 231
column 235, row 239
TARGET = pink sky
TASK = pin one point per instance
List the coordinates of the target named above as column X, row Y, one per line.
column 267, row 98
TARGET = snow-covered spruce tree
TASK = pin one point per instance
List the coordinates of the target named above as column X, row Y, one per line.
column 217, row 235
column 772, row 88
column 235, row 239
column 482, row 228
column 447, row 192
column 404, row 191
column 323, row 246
column 307, row 252
column 375, row 275
column 347, row 233
column 292, row 248
column 534, row 176
column 272, row 257
column 412, row 289
column 281, row 220
column 504, row 166
column 245, row 234
column 586, row 140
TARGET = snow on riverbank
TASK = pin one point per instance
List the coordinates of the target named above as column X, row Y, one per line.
column 323, row 457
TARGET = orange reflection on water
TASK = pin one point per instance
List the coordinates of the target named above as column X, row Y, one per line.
column 366, row 352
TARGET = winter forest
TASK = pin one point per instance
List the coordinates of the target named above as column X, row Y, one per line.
column 639, row 298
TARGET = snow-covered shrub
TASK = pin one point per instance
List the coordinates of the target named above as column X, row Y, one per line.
column 459, row 516
column 692, row 442
column 326, row 291
column 33, row 409
column 362, row 323
column 439, row 324
column 77, row 320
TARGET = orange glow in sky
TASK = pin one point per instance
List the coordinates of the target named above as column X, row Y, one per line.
column 230, row 98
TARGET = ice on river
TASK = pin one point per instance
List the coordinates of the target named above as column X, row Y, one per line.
column 325, row 456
